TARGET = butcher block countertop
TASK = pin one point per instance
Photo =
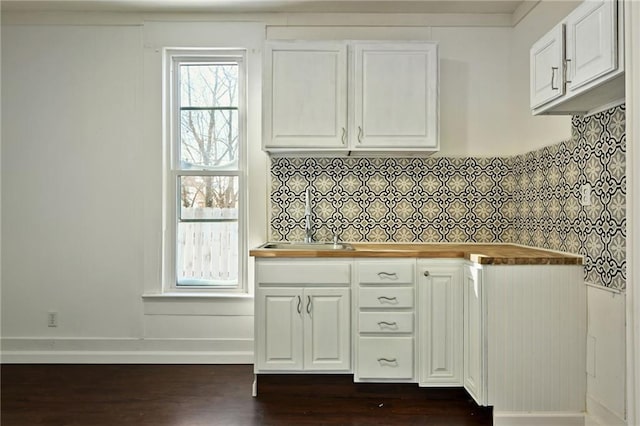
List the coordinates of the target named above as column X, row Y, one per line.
column 486, row 254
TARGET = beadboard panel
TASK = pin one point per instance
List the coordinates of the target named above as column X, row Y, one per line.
column 536, row 365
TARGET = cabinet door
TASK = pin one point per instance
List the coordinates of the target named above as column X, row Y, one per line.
column 327, row 329
column 279, row 329
column 474, row 346
column 305, row 95
column 546, row 61
column 395, row 96
column 440, row 325
column 591, row 42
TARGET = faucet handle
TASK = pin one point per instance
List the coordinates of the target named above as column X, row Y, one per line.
column 335, row 237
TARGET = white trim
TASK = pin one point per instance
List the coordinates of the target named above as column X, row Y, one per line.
column 632, row 67
column 601, row 287
column 598, row 414
column 126, row 351
column 172, row 58
column 513, row 418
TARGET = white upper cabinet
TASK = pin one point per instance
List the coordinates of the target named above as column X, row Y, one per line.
column 304, row 101
column 340, row 97
column 547, row 57
column 578, row 67
column 591, row 42
column 395, row 101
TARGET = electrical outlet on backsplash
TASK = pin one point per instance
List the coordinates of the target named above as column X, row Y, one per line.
column 531, row 199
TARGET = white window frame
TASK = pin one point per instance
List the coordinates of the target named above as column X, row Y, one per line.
column 173, row 57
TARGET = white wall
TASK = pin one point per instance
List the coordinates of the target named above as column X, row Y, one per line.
column 82, row 197
column 81, row 176
column 71, row 211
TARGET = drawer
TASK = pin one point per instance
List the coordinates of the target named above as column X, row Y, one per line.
column 385, row 297
column 385, row 273
column 385, row 322
column 385, row 358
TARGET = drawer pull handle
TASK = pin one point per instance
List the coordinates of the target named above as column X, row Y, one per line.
column 385, row 324
column 385, row 299
column 388, row 276
column 388, row 361
column 299, row 304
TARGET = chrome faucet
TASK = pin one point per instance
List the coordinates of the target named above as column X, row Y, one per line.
column 308, row 214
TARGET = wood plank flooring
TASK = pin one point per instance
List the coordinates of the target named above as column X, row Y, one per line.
column 195, row 395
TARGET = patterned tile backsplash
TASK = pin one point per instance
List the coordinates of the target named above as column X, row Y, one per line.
column 531, row 199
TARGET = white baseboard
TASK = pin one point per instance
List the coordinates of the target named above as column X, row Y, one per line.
column 126, row 351
column 516, row 418
column 599, row 415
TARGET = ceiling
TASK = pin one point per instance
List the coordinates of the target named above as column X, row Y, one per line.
column 292, row 6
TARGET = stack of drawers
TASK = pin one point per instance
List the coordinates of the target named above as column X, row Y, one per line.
column 385, row 320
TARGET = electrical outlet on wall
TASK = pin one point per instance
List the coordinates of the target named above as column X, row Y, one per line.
column 585, row 194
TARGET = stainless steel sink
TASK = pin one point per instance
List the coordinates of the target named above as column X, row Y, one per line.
column 307, row 246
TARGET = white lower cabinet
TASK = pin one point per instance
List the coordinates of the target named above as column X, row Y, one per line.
column 302, row 318
column 512, row 335
column 385, row 309
column 440, row 323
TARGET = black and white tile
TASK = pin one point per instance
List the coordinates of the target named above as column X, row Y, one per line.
column 531, row 199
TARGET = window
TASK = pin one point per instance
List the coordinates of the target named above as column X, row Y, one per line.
column 205, row 196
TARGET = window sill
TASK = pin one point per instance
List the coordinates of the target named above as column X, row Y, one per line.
column 194, row 295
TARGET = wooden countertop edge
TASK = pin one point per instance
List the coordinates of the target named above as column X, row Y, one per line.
column 537, row 257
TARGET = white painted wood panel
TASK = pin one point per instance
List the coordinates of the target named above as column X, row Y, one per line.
column 385, row 358
column 591, row 37
column 385, row 322
column 386, row 297
column 440, row 325
column 475, row 350
column 606, row 372
column 279, row 327
column 395, row 101
column 305, row 103
column 296, row 272
column 386, row 272
column 327, row 336
column 547, row 71
column 536, row 337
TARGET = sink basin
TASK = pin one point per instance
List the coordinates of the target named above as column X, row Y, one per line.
column 306, row 246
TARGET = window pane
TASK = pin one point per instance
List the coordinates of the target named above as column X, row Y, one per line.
column 208, row 138
column 207, row 254
column 208, row 85
column 208, row 197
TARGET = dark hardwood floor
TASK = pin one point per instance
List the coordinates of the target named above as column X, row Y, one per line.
column 194, row 395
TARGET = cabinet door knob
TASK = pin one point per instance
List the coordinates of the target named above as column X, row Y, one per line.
column 299, row 304
column 309, row 304
column 426, row 273
column 344, row 136
column 359, row 134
